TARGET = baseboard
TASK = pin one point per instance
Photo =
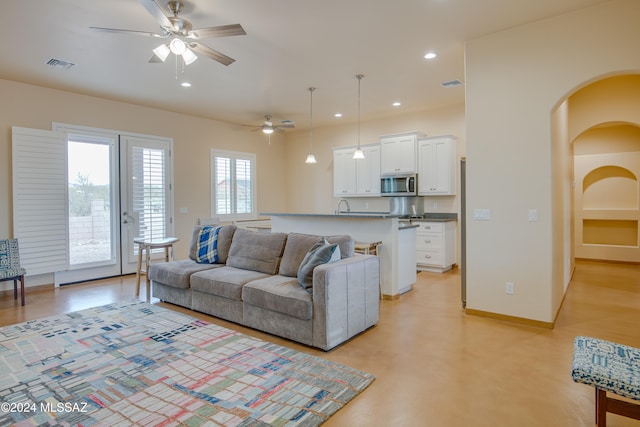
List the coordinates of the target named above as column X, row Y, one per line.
column 609, row 261
column 512, row 319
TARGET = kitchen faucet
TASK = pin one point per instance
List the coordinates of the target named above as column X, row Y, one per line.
column 339, row 203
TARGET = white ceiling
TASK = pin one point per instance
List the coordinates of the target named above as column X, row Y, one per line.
column 290, row 45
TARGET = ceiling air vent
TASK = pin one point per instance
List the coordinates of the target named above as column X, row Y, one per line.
column 452, row 83
column 58, row 63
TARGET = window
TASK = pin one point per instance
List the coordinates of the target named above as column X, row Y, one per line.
column 233, row 185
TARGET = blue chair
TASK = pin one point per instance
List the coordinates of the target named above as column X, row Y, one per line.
column 10, row 266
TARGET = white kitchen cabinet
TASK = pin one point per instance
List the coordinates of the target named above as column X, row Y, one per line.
column 435, row 246
column 344, row 172
column 398, row 153
column 368, row 172
column 353, row 178
column 437, row 166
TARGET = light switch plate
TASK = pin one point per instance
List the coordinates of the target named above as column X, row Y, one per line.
column 533, row 215
column 482, row 214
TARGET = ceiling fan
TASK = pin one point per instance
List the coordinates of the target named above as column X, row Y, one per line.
column 182, row 36
column 268, row 127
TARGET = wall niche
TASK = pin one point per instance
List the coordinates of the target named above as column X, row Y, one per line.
column 607, row 192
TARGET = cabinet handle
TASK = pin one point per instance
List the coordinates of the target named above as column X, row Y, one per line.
column 427, row 256
column 427, row 227
column 427, row 241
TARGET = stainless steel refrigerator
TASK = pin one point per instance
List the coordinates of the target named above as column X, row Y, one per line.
column 463, row 230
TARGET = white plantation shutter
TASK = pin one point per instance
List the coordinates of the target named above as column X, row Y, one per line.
column 222, row 185
column 244, row 186
column 233, row 186
column 40, row 207
column 148, row 190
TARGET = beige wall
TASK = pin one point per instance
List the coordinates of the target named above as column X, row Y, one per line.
column 36, row 107
column 515, row 80
column 285, row 182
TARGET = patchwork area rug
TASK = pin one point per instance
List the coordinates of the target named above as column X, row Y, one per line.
column 132, row 363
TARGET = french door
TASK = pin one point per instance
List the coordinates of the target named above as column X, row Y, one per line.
column 118, row 187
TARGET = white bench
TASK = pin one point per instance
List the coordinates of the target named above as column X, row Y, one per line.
column 609, row 367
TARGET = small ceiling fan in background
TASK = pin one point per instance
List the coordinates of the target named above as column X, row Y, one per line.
column 268, row 127
column 182, row 36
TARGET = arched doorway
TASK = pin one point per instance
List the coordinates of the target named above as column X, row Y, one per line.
column 603, row 123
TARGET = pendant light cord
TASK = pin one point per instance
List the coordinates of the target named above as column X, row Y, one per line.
column 311, row 89
column 359, row 76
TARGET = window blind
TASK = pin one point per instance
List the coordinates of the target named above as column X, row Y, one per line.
column 149, row 189
column 40, row 208
column 233, row 185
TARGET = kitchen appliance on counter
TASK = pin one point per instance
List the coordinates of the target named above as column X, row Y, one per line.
column 399, row 185
column 407, row 207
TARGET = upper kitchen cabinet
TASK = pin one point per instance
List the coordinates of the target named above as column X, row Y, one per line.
column 356, row 177
column 437, row 166
column 368, row 172
column 398, row 153
column 344, row 172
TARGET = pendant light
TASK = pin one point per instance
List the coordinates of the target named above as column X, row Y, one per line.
column 358, row 154
column 311, row 159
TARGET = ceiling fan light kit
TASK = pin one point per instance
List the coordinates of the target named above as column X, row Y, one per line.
column 180, row 30
column 162, row 52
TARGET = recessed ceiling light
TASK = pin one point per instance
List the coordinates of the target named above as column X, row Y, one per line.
column 338, row 115
column 185, row 84
column 396, row 104
column 430, row 55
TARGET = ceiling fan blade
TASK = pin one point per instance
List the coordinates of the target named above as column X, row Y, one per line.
column 219, row 31
column 156, row 11
column 120, row 31
column 285, row 126
column 211, row 53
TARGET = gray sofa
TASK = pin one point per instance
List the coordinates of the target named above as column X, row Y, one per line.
column 254, row 283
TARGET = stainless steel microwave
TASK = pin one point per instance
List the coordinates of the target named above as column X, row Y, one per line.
column 399, row 185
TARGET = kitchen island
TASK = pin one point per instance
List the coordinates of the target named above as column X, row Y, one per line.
column 397, row 251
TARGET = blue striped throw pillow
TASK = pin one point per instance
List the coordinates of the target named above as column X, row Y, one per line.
column 207, row 247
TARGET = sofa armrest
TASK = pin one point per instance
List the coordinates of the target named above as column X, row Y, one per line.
column 346, row 299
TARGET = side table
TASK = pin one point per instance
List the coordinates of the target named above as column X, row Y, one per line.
column 147, row 246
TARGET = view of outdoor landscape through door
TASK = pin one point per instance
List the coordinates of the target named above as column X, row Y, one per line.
column 118, row 189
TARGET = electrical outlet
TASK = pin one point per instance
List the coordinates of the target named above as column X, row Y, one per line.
column 435, row 205
column 508, row 289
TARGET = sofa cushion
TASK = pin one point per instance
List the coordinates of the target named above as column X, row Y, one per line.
column 207, row 246
column 279, row 293
column 225, row 236
column 321, row 253
column 224, row 281
column 294, row 251
column 298, row 245
column 176, row 273
column 346, row 243
column 255, row 251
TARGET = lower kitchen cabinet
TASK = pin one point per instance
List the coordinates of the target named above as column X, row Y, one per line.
column 435, row 246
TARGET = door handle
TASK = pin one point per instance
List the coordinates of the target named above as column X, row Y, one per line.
column 127, row 218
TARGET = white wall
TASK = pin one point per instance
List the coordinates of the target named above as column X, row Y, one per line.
column 515, row 80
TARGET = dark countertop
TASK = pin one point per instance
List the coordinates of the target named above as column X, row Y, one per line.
column 372, row 215
column 403, row 226
column 436, row 217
